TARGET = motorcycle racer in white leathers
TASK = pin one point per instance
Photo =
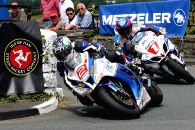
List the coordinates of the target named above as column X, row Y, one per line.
column 125, row 30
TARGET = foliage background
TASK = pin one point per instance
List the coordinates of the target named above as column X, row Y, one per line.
column 36, row 3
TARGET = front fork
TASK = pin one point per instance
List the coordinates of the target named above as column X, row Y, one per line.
column 147, row 81
column 118, row 88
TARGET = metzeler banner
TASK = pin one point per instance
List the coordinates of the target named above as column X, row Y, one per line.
column 20, row 58
column 173, row 15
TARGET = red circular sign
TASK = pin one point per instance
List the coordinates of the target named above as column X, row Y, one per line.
column 20, row 57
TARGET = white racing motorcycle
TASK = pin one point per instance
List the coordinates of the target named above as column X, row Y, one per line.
column 110, row 85
column 160, row 56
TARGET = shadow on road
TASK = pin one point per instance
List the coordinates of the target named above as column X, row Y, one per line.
column 98, row 112
column 161, row 80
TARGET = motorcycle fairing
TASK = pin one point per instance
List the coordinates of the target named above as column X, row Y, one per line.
column 150, row 46
column 81, row 72
column 155, row 48
column 128, row 76
column 141, row 95
column 103, row 67
column 131, row 79
column 89, row 68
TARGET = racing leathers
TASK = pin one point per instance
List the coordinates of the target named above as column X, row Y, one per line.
column 72, row 59
column 136, row 27
column 123, row 43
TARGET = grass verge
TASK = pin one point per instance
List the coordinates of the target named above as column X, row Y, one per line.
column 29, row 97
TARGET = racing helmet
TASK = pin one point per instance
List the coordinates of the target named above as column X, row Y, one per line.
column 62, row 47
column 124, row 26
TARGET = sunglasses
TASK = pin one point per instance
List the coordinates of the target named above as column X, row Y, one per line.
column 69, row 14
column 14, row 7
column 80, row 9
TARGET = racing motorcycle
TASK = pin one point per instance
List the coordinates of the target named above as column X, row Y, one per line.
column 160, row 56
column 112, row 86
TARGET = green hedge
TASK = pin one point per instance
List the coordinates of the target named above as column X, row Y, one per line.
column 190, row 30
column 36, row 12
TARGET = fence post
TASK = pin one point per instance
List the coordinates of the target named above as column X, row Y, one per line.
column 28, row 12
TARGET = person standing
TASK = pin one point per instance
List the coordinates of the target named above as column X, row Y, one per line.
column 63, row 5
column 47, row 7
column 15, row 13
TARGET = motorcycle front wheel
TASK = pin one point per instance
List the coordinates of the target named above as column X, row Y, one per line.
column 180, row 71
column 121, row 104
column 156, row 95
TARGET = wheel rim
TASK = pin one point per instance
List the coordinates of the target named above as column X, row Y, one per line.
column 123, row 98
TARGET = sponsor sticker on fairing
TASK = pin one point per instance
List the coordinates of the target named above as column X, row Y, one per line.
column 82, row 71
column 144, row 99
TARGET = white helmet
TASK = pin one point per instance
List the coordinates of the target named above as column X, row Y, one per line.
column 62, row 47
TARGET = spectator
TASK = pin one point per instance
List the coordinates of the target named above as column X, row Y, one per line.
column 15, row 13
column 47, row 7
column 83, row 18
column 56, row 22
column 63, row 5
column 71, row 16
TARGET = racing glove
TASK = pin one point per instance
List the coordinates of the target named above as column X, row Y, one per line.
column 93, row 47
column 97, row 48
column 134, row 66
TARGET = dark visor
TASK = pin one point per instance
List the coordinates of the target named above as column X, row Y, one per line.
column 62, row 55
column 124, row 31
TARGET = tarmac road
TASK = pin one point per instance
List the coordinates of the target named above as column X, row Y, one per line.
column 176, row 113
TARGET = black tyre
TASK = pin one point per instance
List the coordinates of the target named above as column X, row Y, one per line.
column 180, row 71
column 148, row 71
column 113, row 101
column 156, row 95
column 85, row 100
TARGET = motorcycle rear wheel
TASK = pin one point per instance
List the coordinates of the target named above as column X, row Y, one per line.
column 180, row 71
column 109, row 100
